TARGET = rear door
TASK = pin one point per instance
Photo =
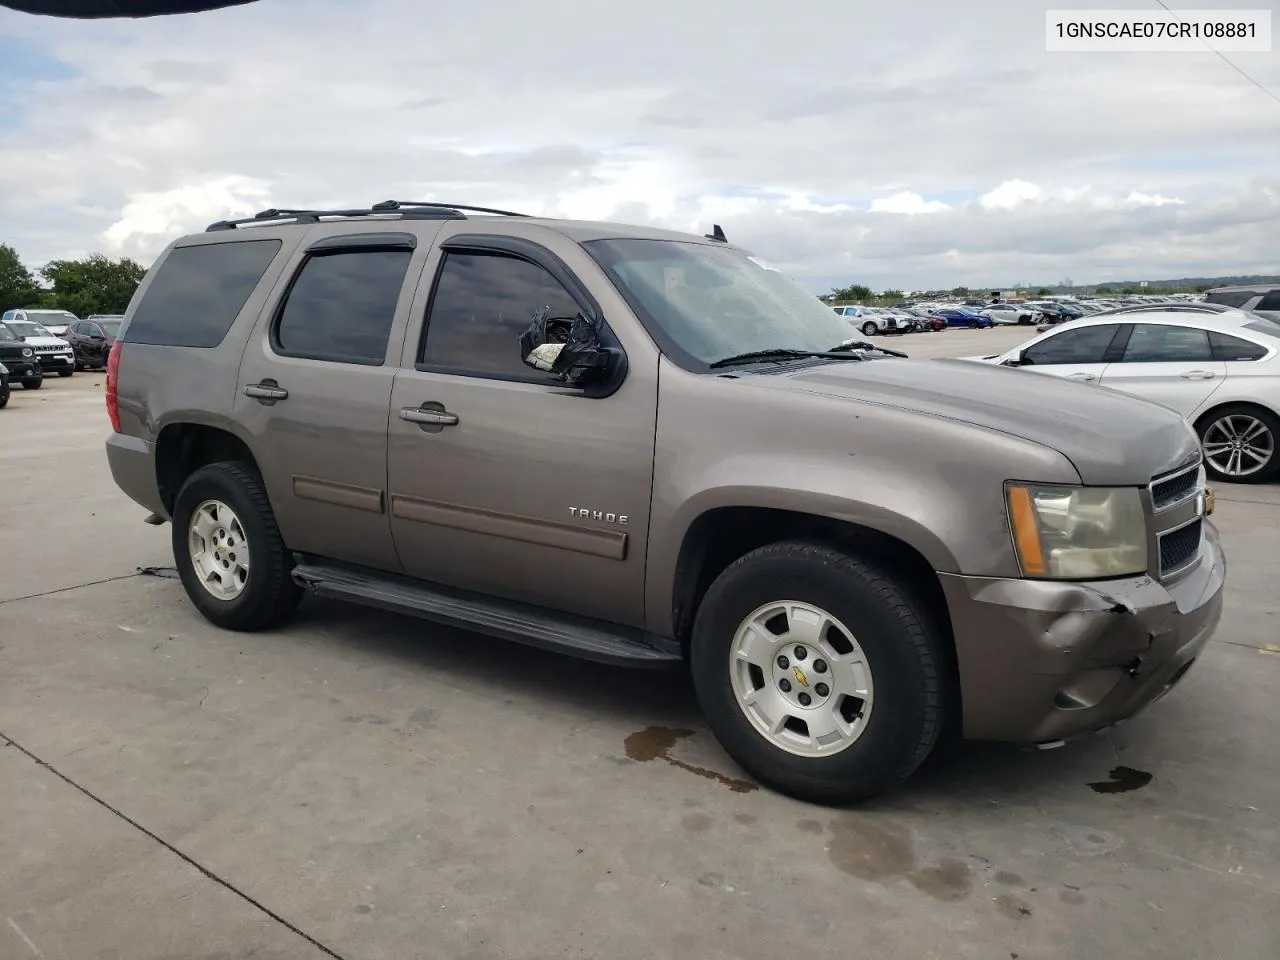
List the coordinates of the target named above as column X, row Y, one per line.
column 1168, row 363
column 1074, row 353
column 314, row 389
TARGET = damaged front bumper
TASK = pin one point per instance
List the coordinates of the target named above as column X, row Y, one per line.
column 1042, row 661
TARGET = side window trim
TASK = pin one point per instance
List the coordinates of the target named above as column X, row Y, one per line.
column 310, row 254
column 515, row 248
column 1115, row 349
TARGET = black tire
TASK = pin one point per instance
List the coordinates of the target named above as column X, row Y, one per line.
column 903, row 651
column 270, row 594
column 5, row 390
column 868, row 329
column 33, row 383
column 974, row 325
column 1267, row 418
column 79, row 364
column 65, row 373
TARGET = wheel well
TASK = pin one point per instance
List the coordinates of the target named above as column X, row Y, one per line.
column 183, row 448
column 1200, row 420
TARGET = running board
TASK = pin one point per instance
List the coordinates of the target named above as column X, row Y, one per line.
column 505, row 619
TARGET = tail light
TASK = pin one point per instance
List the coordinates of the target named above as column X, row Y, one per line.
column 113, row 371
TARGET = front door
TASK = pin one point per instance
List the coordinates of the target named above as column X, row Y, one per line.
column 1073, row 353
column 314, row 388
column 502, row 481
column 1169, row 364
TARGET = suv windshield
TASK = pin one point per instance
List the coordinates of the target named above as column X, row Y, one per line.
column 713, row 302
column 25, row 328
column 6, row 334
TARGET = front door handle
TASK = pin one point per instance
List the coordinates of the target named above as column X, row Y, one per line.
column 1082, row 376
column 437, row 417
column 1198, row 375
column 267, row 390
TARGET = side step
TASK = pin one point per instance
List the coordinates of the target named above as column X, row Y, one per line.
column 505, row 619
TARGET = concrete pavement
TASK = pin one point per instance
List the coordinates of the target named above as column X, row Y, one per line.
column 359, row 785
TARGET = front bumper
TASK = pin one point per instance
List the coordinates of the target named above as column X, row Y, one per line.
column 23, row 369
column 55, row 361
column 1042, row 661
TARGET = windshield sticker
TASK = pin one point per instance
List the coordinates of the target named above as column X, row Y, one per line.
column 763, row 265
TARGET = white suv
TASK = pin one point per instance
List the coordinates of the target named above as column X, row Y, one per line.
column 53, row 353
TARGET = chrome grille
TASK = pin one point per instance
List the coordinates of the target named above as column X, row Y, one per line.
column 1179, row 547
column 1171, row 490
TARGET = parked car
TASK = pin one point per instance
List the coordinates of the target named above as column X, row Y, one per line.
column 1010, row 314
column 1219, row 370
column 1261, row 299
column 91, row 340
column 871, row 320
column 963, row 317
column 55, row 321
column 52, row 353
column 518, row 426
column 927, row 319
column 19, row 359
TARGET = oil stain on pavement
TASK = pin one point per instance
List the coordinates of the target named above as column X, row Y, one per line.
column 655, row 743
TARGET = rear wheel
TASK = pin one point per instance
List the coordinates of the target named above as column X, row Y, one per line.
column 229, row 552
column 816, row 673
column 868, row 329
column 1239, row 443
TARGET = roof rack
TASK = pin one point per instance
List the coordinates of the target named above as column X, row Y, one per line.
column 405, row 209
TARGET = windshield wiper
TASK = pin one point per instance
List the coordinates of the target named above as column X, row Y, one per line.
column 760, row 356
column 849, row 345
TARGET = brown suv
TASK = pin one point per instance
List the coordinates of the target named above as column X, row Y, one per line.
column 650, row 449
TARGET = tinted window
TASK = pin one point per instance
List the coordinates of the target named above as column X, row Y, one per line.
column 1270, row 302
column 482, row 303
column 1231, row 298
column 6, row 334
column 1158, row 343
column 1233, row 348
column 341, row 305
column 110, row 327
column 1074, row 345
column 198, row 292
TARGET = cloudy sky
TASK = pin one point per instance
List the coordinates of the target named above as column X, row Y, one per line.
column 901, row 145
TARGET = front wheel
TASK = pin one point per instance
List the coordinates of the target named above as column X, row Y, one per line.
column 1239, row 444
column 229, row 552
column 5, row 390
column 33, row 383
column 974, row 325
column 65, row 372
column 868, row 329
column 817, row 673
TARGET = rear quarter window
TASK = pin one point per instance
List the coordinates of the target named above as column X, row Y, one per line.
column 198, row 292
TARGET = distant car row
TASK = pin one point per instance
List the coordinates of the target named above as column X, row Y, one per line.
column 37, row 342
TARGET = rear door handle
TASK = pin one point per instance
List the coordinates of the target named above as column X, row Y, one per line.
column 1198, row 375
column 266, row 390
column 434, row 417
column 1082, row 376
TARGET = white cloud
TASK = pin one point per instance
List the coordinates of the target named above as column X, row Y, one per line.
column 907, row 203
column 916, row 163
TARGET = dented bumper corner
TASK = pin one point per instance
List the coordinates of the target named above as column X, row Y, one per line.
column 1042, row 661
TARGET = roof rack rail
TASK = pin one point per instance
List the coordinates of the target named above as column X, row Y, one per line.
column 401, row 204
column 439, row 211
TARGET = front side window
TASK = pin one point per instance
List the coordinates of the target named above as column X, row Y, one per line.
column 1073, row 345
column 1164, row 343
column 341, row 306
column 713, row 302
column 482, row 303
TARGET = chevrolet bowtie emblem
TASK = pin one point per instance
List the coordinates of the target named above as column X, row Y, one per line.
column 801, row 678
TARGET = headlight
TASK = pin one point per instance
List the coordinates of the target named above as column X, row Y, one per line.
column 28, row 352
column 1077, row 533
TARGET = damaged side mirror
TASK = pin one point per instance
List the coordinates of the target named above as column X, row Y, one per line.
column 568, row 348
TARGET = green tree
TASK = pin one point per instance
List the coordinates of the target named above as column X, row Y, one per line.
column 96, row 284
column 1103, row 291
column 17, row 286
column 855, row 291
column 1043, row 292
column 891, row 295
column 959, row 291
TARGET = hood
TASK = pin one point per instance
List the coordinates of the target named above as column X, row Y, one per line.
column 1111, row 438
column 46, row 342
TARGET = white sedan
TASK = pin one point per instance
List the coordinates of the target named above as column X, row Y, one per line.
column 1220, row 371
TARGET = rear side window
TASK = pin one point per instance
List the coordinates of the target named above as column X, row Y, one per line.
column 1161, row 343
column 341, row 306
column 1231, row 298
column 1270, row 302
column 1233, row 348
column 1073, row 345
column 198, row 292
